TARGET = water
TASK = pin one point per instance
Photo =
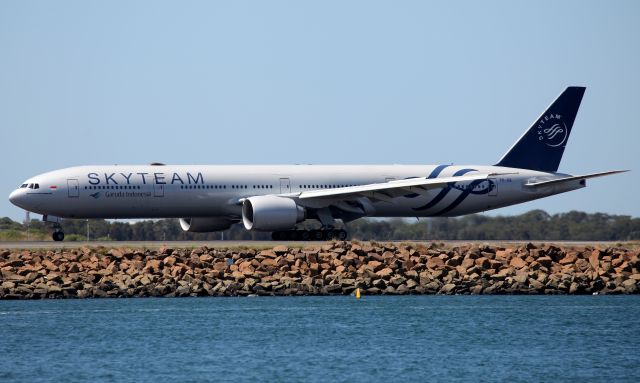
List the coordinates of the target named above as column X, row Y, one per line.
column 319, row 339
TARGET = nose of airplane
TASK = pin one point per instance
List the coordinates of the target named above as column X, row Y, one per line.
column 16, row 197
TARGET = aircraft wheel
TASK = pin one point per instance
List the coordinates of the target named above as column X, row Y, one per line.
column 329, row 235
column 317, row 235
column 58, row 236
column 304, row 235
column 341, row 235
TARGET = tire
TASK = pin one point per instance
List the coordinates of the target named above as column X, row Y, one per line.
column 58, row 236
column 304, row 235
column 341, row 235
column 329, row 235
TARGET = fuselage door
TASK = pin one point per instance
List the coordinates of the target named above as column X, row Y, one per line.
column 285, row 185
column 73, row 188
column 493, row 187
column 158, row 190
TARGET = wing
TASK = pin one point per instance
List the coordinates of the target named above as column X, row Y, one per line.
column 388, row 190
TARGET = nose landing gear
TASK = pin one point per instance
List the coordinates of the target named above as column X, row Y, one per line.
column 57, row 235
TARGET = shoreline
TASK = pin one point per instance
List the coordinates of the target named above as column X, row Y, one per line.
column 336, row 268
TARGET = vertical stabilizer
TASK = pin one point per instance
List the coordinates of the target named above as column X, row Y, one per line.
column 542, row 145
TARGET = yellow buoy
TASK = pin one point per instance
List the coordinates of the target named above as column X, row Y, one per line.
column 358, row 293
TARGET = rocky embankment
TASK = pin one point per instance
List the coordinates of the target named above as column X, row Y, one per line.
column 334, row 268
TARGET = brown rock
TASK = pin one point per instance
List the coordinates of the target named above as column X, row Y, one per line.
column 467, row 263
column 630, row 285
column 220, row 266
column 536, row 284
column 280, row 250
column 380, row 283
column 494, row 264
column 574, row 288
column 49, row 265
column 116, row 253
column 521, row 277
column 517, row 262
column 8, row 285
column 9, row 275
column 206, row 258
column 238, row 276
column 375, row 266
column 385, row 273
column 483, row 263
column 169, row 261
column 594, row 259
column 268, row 254
column 502, row 254
column 314, row 269
column 449, row 288
column 454, row 261
column 435, row 263
column 153, row 264
column 411, row 274
column 568, row 259
column 397, row 280
column 545, row 261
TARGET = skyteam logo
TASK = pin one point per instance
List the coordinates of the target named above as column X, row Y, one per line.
column 95, row 195
column 552, row 130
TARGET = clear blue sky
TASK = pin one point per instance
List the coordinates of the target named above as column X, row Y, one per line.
column 324, row 82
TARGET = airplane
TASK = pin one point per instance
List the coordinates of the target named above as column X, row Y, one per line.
column 278, row 198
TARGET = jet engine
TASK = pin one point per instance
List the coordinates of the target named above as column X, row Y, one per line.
column 205, row 224
column 269, row 213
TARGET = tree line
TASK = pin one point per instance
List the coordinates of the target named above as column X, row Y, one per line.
column 534, row 225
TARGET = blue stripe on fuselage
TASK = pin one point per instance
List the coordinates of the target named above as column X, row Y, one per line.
column 434, row 173
column 443, row 193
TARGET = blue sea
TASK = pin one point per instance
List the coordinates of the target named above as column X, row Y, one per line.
column 322, row 339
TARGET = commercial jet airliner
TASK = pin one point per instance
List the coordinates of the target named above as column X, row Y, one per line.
column 278, row 198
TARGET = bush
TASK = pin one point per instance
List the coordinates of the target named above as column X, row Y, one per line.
column 75, row 238
column 12, row 235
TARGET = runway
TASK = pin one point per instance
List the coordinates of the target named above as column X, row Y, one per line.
column 270, row 244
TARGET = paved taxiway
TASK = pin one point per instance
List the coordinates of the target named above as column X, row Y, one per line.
column 262, row 244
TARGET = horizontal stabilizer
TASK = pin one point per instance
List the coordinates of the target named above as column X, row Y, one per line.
column 573, row 178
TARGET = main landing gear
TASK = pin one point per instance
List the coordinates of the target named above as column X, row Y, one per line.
column 58, row 236
column 309, row 235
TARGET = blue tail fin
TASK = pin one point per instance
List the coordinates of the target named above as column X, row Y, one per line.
column 542, row 145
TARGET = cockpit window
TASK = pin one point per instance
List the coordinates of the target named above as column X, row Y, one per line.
column 23, row 186
column 30, row 186
column 36, row 186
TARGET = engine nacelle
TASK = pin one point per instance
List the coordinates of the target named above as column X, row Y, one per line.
column 270, row 213
column 205, row 224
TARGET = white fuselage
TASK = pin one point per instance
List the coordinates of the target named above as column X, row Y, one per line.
column 165, row 191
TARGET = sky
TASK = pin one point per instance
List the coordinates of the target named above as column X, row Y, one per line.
column 319, row 82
